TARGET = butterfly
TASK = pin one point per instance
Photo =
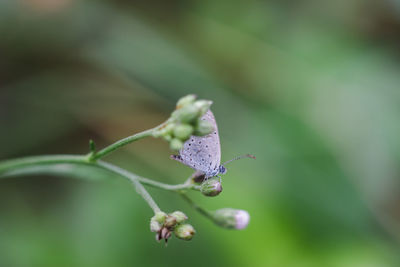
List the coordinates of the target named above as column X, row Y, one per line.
column 203, row 153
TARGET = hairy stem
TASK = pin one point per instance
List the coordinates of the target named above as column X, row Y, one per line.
column 135, row 180
column 120, row 143
column 196, row 207
column 176, row 187
column 37, row 164
column 93, row 156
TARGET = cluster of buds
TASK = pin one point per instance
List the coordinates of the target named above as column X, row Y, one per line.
column 185, row 121
column 231, row 218
column 165, row 224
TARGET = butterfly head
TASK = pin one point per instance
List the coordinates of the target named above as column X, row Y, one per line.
column 216, row 171
column 222, row 169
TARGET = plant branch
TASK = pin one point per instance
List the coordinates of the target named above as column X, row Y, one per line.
column 9, row 166
column 135, row 180
column 197, row 207
column 43, row 163
column 178, row 187
column 93, row 156
column 120, row 143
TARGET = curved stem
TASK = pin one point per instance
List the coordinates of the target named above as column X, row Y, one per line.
column 15, row 164
column 139, row 187
column 197, row 208
column 171, row 187
column 10, row 167
column 93, row 156
column 118, row 144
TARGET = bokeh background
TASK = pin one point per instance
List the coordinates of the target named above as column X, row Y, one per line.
column 310, row 87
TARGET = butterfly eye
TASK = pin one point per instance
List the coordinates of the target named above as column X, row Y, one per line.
column 222, row 169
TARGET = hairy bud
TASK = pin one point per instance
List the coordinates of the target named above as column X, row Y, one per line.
column 186, row 114
column 211, row 188
column 160, row 217
column 186, row 100
column 184, row 231
column 183, row 131
column 231, row 218
column 170, row 222
column 179, row 216
column 176, row 144
column 157, row 221
column 203, row 105
column 203, row 128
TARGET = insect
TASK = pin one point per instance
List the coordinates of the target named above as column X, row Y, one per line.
column 203, row 153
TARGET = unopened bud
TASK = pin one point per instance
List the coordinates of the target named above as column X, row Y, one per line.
column 184, row 231
column 179, row 216
column 160, row 217
column 189, row 99
column 165, row 131
column 231, row 218
column 183, row 131
column 176, row 144
column 212, row 187
column 186, row 114
column 170, row 222
column 203, row 105
column 168, row 137
column 155, row 226
column 203, row 127
column 164, row 233
column 157, row 221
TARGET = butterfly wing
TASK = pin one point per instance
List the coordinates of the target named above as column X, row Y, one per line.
column 202, row 153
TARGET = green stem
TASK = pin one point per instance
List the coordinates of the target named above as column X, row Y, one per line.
column 196, row 207
column 10, row 167
column 176, row 187
column 7, row 167
column 135, row 180
column 15, row 164
column 93, row 156
column 120, row 143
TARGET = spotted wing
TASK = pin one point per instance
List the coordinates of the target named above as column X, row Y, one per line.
column 202, row 153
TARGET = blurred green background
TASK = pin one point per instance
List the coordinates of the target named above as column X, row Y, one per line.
column 309, row 87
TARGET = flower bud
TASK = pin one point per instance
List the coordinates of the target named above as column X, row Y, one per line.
column 184, row 231
column 164, row 233
column 155, row 226
column 165, row 131
column 170, row 222
column 189, row 99
column 203, row 105
column 212, row 187
column 179, row 216
column 160, row 217
column 168, row 137
column 186, row 114
column 231, row 218
column 183, row 131
column 203, row 128
column 176, row 144
column 157, row 221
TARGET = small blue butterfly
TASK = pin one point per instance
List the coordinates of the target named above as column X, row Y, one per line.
column 203, row 153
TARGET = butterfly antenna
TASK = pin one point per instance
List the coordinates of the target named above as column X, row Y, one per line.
column 239, row 157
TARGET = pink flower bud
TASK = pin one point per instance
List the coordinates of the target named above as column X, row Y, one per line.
column 231, row 218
